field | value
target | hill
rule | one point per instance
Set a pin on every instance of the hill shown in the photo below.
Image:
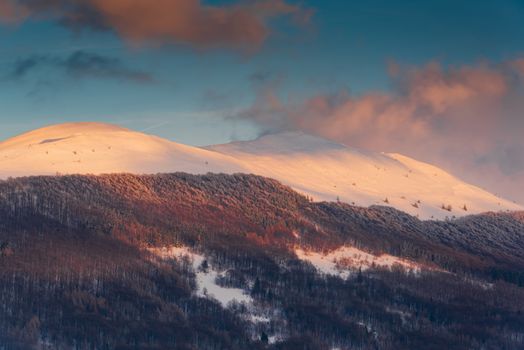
(181, 261)
(318, 168)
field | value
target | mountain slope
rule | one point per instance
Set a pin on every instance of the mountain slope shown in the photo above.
(313, 166)
(95, 148)
(117, 262)
(330, 171)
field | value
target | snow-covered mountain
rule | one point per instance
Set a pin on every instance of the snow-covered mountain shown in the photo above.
(316, 167)
(329, 171)
(95, 148)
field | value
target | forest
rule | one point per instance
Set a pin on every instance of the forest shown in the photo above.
(79, 269)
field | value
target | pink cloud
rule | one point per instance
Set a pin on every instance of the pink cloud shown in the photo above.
(243, 25)
(468, 119)
(10, 12)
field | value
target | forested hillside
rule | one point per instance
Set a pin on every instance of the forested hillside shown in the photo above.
(132, 262)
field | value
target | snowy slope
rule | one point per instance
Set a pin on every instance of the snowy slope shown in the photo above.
(101, 148)
(316, 167)
(330, 171)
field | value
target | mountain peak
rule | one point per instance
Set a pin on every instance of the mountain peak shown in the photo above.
(75, 127)
(60, 132)
(82, 127)
(97, 148)
(289, 142)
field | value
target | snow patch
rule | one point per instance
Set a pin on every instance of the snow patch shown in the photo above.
(262, 317)
(346, 260)
(205, 278)
(277, 338)
(402, 314)
(482, 284)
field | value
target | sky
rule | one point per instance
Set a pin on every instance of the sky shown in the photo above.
(440, 81)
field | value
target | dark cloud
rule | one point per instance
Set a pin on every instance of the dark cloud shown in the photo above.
(83, 64)
(467, 119)
(80, 64)
(261, 77)
(25, 65)
(243, 25)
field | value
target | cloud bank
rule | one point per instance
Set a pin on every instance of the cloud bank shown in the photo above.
(243, 25)
(79, 64)
(468, 119)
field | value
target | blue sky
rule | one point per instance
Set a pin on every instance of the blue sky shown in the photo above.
(205, 88)
(347, 45)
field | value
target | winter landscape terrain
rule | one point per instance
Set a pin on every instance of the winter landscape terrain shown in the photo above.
(316, 167)
(261, 175)
(113, 239)
(180, 261)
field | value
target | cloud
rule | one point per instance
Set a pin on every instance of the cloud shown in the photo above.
(80, 64)
(11, 12)
(243, 25)
(83, 64)
(468, 119)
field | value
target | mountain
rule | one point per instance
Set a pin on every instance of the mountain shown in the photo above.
(330, 171)
(319, 168)
(181, 261)
(95, 148)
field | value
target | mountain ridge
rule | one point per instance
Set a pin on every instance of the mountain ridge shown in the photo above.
(318, 168)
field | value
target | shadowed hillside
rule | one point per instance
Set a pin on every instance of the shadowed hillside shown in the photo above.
(83, 267)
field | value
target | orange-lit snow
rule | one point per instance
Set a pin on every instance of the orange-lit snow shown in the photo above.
(329, 171)
(95, 148)
(313, 166)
